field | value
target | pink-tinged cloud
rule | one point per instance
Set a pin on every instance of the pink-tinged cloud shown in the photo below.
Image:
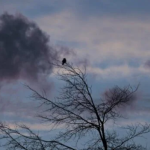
(15, 100)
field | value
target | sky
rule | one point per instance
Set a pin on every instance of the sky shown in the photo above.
(110, 37)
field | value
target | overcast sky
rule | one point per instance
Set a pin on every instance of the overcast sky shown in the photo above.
(111, 36)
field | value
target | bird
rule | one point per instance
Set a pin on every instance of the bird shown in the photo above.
(64, 61)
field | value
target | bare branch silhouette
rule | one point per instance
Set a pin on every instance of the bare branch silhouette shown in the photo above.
(76, 109)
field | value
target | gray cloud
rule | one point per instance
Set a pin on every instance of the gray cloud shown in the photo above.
(147, 64)
(24, 49)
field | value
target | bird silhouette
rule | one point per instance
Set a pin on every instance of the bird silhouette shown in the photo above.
(64, 61)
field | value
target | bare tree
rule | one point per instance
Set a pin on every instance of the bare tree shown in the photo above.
(81, 116)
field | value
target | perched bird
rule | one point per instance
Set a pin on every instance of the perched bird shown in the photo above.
(64, 61)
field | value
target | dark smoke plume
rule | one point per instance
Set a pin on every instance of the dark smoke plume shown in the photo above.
(24, 49)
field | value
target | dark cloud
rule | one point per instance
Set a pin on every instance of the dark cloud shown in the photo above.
(147, 64)
(24, 49)
(126, 95)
